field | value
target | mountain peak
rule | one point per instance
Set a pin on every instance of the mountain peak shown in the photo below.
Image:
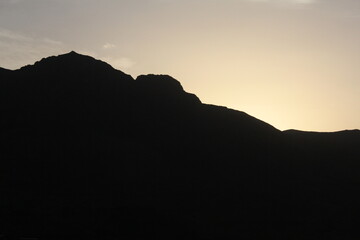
(73, 52)
(70, 57)
(164, 86)
(75, 64)
(165, 82)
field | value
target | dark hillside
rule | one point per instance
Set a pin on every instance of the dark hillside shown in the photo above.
(87, 152)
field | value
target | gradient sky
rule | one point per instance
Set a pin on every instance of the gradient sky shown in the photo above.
(292, 63)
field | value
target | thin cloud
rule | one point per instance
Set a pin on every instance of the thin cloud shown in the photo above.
(10, 35)
(51, 41)
(17, 49)
(109, 46)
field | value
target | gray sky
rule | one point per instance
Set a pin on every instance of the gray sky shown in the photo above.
(291, 63)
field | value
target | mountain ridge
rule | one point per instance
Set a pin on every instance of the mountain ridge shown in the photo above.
(88, 152)
(74, 56)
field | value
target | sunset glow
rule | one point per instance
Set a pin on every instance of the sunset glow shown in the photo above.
(291, 63)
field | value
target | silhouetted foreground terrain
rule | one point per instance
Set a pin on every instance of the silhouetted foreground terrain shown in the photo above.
(87, 152)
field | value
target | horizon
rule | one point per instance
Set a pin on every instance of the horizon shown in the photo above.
(290, 63)
(135, 78)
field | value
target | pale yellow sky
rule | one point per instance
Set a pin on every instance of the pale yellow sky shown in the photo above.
(291, 63)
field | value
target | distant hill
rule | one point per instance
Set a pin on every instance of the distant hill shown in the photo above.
(88, 152)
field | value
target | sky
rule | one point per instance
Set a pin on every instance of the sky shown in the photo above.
(292, 63)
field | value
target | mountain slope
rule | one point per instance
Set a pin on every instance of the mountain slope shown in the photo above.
(87, 152)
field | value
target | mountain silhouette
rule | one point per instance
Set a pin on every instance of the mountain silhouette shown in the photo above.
(88, 152)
